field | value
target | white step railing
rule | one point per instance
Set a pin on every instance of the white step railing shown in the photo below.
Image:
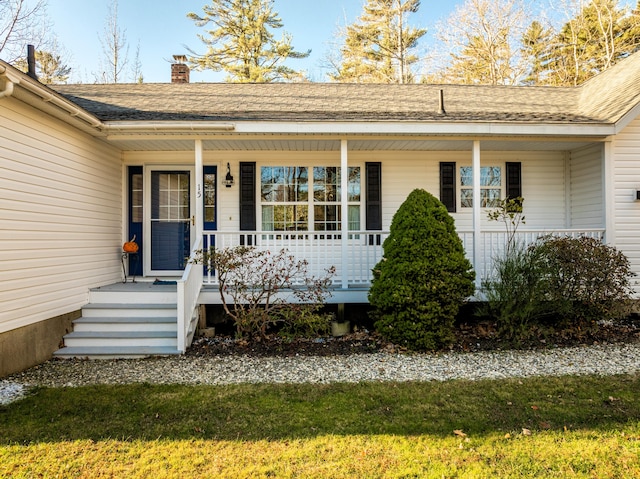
(188, 291)
(324, 249)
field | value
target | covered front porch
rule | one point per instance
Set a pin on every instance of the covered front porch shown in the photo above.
(563, 181)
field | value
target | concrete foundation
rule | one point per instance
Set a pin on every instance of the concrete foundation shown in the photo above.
(31, 345)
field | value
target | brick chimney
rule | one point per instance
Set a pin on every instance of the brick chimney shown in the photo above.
(179, 69)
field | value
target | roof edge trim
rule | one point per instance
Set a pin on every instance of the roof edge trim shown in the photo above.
(46, 94)
(163, 126)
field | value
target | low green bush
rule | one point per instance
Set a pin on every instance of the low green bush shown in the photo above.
(423, 278)
(585, 281)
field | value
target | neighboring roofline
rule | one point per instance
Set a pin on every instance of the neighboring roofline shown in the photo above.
(12, 78)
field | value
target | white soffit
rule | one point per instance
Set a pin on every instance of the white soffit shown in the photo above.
(358, 144)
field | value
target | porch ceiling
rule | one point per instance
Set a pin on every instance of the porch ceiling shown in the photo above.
(315, 143)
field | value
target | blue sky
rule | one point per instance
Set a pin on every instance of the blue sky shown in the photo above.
(163, 30)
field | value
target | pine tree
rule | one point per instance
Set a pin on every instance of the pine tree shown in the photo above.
(379, 46)
(50, 67)
(423, 277)
(242, 43)
(536, 46)
(599, 35)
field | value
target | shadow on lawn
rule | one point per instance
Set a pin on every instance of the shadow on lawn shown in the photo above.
(254, 412)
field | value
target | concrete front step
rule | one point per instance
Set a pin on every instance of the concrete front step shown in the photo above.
(123, 323)
(131, 310)
(121, 338)
(110, 352)
(123, 330)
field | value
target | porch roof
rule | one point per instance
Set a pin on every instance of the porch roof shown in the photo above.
(602, 100)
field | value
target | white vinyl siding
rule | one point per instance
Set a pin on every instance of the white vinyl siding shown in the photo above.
(586, 191)
(543, 178)
(626, 157)
(543, 175)
(61, 215)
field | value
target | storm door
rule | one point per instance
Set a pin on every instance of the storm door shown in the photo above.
(170, 222)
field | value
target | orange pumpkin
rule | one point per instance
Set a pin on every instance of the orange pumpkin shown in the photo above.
(130, 246)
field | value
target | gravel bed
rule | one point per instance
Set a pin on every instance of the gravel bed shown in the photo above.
(605, 359)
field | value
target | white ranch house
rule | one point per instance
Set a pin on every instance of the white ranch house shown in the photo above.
(317, 168)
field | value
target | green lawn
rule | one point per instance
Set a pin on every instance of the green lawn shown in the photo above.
(544, 427)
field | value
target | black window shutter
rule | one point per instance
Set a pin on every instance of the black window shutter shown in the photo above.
(514, 179)
(247, 196)
(448, 185)
(373, 191)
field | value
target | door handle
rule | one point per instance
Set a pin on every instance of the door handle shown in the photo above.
(193, 221)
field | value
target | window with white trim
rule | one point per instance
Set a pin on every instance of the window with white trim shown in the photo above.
(490, 186)
(286, 204)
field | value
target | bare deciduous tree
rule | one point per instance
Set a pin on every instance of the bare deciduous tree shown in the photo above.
(136, 67)
(115, 48)
(21, 24)
(480, 43)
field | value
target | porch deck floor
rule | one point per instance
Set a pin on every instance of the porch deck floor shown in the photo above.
(138, 286)
(210, 294)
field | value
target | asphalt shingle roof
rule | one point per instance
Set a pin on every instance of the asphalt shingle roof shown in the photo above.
(603, 99)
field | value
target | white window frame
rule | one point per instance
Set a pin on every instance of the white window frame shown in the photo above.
(310, 202)
(460, 187)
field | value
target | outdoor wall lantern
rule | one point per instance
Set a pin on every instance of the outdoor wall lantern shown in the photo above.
(228, 180)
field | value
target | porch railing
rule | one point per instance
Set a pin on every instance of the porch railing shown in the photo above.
(364, 249)
(493, 244)
(188, 291)
(321, 250)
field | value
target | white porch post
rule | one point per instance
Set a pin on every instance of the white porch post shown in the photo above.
(608, 194)
(199, 190)
(344, 211)
(477, 233)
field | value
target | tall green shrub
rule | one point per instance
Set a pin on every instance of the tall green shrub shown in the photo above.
(423, 278)
(514, 295)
